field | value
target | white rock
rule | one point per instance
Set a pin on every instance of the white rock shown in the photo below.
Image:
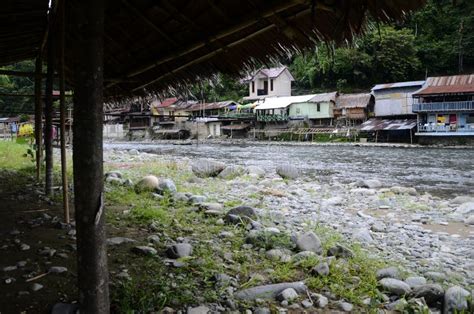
(147, 183)
(288, 294)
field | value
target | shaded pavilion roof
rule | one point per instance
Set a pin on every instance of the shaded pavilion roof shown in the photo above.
(151, 44)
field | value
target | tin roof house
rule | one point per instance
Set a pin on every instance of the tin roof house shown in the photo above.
(445, 107)
(394, 100)
(394, 119)
(269, 83)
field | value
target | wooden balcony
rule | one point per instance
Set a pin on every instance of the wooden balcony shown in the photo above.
(444, 106)
(446, 129)
(272, 118)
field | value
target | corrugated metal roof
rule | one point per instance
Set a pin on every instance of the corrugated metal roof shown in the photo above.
(398, 85)
(353, 100)
(167, 102)
(387, 125)
(212, 105)
(447, 85)
(285, 101)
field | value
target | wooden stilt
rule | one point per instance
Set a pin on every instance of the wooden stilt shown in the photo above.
(88, 48)
(62, 111)
(48, 114)
(38, 117)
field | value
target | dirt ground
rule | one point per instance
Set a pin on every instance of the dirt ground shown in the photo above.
(27, 221)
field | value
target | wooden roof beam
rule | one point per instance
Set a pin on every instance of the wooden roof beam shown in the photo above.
(19, 73)
(231, 31)
(149, 23)
(287, 29)
(215, 52)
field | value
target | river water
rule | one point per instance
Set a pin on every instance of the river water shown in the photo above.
(443, 172)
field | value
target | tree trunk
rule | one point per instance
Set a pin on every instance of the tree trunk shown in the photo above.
(48, 117)
(88, 27)
(38, 117)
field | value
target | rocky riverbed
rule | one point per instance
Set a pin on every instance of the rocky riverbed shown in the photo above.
(393, 212)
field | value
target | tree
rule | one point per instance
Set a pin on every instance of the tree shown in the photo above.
(445, 36)
(394, 54)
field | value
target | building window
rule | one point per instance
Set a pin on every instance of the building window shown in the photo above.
(470, 118)
(318, 107)
(271, 84)
(253, 86)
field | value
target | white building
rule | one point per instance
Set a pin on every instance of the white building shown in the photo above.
(269, 83)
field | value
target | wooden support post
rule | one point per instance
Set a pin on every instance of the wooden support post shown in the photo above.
(48, 115)
(38, 117)
(62, 110)
(411, 137)
(88, 47)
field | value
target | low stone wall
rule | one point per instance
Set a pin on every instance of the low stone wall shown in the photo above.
(446, 140)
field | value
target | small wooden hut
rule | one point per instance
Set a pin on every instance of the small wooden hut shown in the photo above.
(354, 109)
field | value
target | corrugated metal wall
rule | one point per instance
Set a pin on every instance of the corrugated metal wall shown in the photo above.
(394, 102)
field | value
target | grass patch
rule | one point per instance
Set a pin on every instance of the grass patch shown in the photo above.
(12, 157)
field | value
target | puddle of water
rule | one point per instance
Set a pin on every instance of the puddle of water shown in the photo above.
(452, 228)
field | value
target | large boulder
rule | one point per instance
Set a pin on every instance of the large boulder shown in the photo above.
(240, 213)
(232, 171)
(432, 293)
(269, 291)
(179, 250)
(289, 294)
(389, 272)
(415, 281)
(370, 184)
(207, 168)
(455, 300)
(309, 241)
(147, 184)
(166, 186)
(394, 286)
(255, 171)
(363, 236)
(288, 171)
